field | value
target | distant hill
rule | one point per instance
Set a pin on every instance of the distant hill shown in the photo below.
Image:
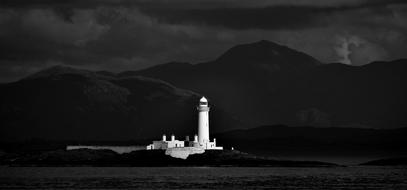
(398, 161)
(265, 83)
(62, 103)
(315, 141)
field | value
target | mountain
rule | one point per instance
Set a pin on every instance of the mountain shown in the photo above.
(266, 53)
(161, 71)
(62, 103)
(250, 85)
(264, 83)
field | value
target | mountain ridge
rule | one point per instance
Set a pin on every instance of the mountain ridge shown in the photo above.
(65, 103)
(312, 94)
(322, 95)
(264, 52)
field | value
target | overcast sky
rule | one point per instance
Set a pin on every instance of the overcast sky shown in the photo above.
(117, 35)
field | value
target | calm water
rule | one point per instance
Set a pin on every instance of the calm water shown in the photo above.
(202, 178)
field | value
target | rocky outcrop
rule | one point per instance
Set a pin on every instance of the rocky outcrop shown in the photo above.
(183, 152)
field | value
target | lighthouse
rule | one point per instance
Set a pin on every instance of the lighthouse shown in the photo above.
(203, 122)
(201, 141)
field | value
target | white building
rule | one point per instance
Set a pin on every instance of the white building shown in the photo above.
(201, 141)
(164, 144)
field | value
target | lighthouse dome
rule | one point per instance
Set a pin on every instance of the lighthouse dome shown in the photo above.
(203, 99)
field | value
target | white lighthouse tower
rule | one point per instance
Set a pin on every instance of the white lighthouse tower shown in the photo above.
(203, 122)
(203, 126)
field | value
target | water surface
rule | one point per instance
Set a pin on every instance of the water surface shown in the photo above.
(357, 177)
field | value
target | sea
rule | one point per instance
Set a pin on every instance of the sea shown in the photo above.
(351, 177)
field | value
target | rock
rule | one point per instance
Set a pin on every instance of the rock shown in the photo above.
(183, 152)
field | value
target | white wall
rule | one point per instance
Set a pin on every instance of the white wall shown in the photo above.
(118, 149)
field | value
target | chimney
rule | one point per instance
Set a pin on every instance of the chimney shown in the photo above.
(214, 141)
(172, 137)
(186, 138)
(164, 137)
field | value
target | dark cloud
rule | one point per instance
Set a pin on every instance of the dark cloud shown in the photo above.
(238, 14)
(36, 34)
(127, 35)
(243, 18)
(273, 17)
(188, 4)
(104, 38)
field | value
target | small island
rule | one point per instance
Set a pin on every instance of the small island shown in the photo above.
(150, 158)
(200, 151)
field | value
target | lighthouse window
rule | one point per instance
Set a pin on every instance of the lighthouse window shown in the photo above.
(203, 103)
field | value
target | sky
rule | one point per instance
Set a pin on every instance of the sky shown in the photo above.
(119, 35)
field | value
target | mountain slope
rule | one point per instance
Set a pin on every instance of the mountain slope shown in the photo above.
(63, 103)
(267, 53)
(266, 83)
